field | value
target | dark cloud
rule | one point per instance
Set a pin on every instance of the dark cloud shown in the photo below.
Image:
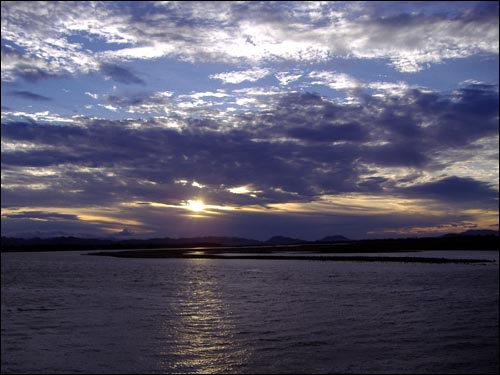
(302, 148)
(455, 189)
(150, 101)
(33, 74)
(39, 158)
(330, 133)
(41, 215)
(29, 95)
(120, 74)
(474, 116)
(372, 184)
(41, 134)
(396, 16)
(124, 101)
(25, 67)
(397, 154)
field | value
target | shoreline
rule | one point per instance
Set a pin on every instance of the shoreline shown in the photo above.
(464, 242)
(268, 255)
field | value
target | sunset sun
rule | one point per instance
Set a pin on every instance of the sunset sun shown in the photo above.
(196, 205)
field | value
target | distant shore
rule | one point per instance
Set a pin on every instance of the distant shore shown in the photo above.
(162, 254)
(310, 252)
(458, 242)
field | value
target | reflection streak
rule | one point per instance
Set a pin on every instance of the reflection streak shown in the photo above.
(202, 340)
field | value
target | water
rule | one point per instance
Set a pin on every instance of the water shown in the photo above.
(455, 254)
(67, 313)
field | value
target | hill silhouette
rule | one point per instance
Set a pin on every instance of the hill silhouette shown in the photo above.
(474, 232)
(281, 240)
(336, 238)
(470, 240)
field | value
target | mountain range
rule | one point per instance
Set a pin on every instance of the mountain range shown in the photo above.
(77, 243)
(474, 232)
(157, 242)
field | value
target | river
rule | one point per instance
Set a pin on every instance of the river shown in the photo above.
(63, 312)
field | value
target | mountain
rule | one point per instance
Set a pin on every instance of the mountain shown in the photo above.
(335, 238)
(69, 241)
(474, 232)
(75, 243)
(280, 240)
(469, 240)
(480, 232)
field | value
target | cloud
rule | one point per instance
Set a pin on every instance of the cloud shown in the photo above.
(235, 77)
(92, 95)
(336, 81)
(119, 74)
(32, 73)
(409, 36)
(41, 215)
(31, 69)
(298, 150)
(44, 116)
(455, 189)
(389, 88)
(35, 42)
(329, 133)
(287, 148)
(158, 103)
(399, 154)
(414, 39)
(285, 78)
(29, 95)
(29, 224)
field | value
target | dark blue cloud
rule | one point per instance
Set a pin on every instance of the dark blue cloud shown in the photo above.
(301, 149)
(40, 133)
(120, 74)
(31, 73)
(27, 68)
(137, 99)
(396, 15)
(29, 95)
(396, 154)
(455, 189)
(330, 133)
(41, 215)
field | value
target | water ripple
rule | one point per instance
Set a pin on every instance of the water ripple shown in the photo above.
(100, 315)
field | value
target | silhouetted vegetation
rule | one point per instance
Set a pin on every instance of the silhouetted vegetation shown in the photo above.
(455, 242)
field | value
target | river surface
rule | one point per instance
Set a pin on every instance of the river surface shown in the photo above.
(63, 312)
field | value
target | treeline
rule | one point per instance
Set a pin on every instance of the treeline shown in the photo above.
(455, 242)
(459, 242)
(11, 244)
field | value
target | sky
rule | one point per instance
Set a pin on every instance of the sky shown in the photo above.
(249, 119)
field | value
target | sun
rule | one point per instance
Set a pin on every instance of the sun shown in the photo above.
(196, 205)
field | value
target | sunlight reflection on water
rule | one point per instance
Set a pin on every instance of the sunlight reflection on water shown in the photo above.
(203, 337)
